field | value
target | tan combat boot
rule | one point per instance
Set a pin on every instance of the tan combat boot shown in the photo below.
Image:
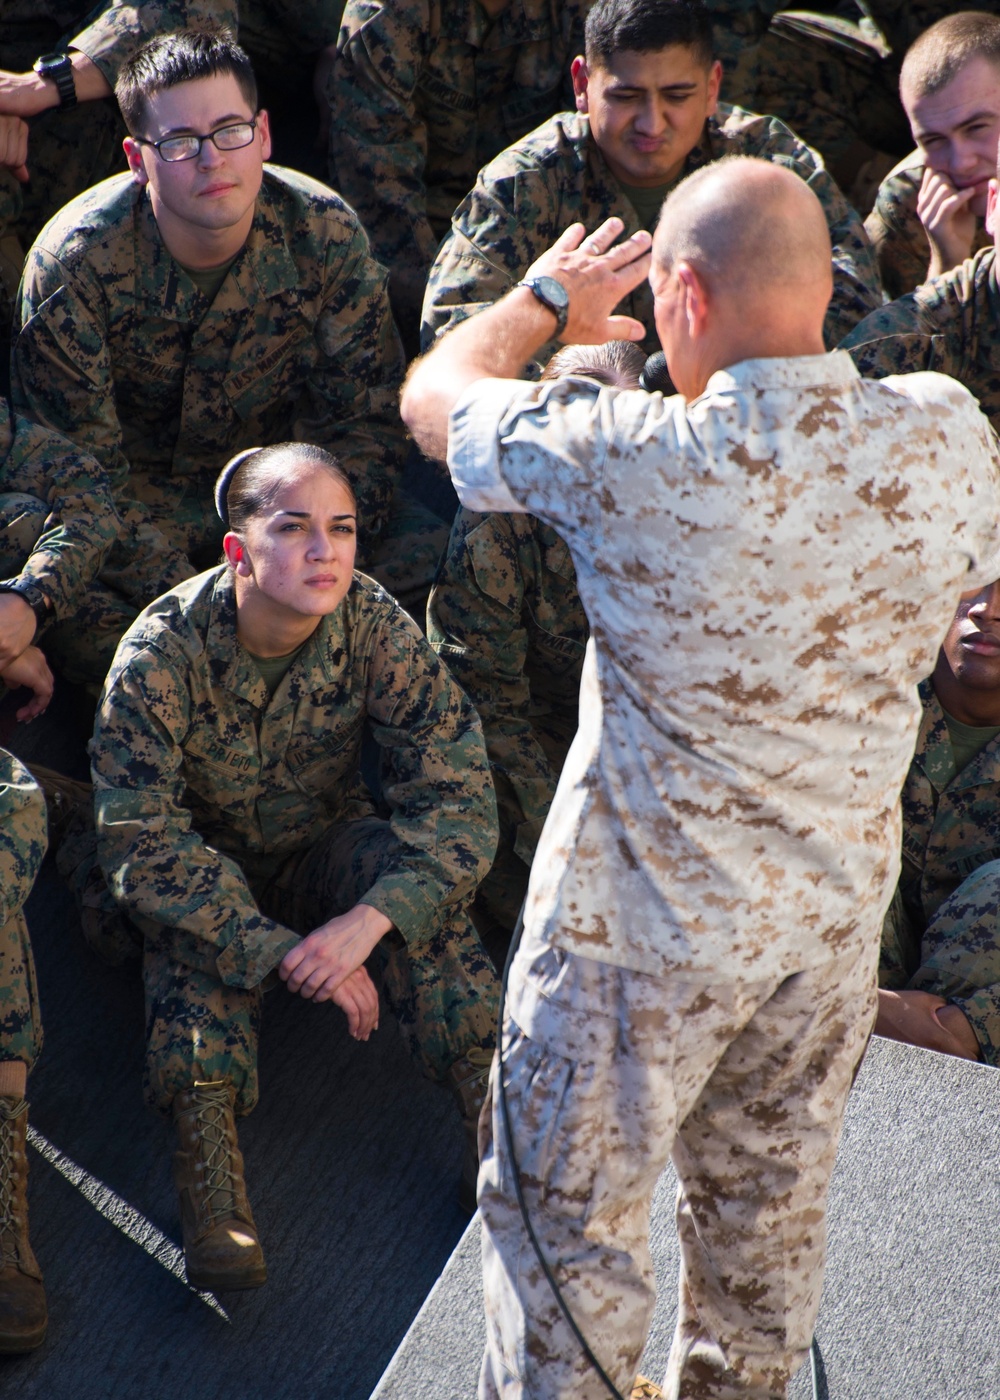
(221, 1248)
(645, 1390)
(23, 1315)
(468, 1080)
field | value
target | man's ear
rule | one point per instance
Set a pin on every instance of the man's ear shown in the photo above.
(714, 84)
(264, 131)
(133, 154)
(580, 76)
(695, 296)
(991, 209)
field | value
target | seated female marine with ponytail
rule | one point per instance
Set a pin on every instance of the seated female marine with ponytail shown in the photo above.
(232, 816)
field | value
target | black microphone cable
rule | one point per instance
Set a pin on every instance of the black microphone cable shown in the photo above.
(815, 1360)
(612, 1389)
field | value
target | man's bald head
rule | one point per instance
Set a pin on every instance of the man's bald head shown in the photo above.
(750, 228)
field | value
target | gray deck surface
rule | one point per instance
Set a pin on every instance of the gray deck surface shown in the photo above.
(352, 1162)
(911, 1302)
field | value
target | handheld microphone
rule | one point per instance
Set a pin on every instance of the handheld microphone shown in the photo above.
(655, 376)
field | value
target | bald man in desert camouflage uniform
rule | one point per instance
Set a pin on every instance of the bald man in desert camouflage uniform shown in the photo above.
(697, 978)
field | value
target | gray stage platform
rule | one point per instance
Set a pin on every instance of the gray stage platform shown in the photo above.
(352, 1164)
(911, 1303)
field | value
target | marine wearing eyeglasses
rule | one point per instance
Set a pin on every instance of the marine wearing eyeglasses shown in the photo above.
(227, 138)
(60, 129)
(202, 304)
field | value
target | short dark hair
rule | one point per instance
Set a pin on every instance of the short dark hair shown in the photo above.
(646, 26)
(616, 363)
(249, 482)
(175, 58)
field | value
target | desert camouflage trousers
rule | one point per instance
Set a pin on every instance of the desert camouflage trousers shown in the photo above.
(135, 572)
(442, 992)
(609, 1073)
(955, 956)
(20, 1022)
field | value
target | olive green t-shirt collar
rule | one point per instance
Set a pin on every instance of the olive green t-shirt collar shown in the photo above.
(274, 669)
(647, 202)
(967, 740)
(208, 280)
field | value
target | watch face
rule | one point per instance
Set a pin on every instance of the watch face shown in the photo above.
(48, 61)
(553, 292)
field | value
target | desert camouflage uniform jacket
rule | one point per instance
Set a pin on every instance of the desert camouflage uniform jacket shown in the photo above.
(526, 197)
(199, 777)
(506, 616)
(950, 324)
(82, 525)
(120, 351)
(730, 800)
(951, 822)
(896, 232)
(423, 94)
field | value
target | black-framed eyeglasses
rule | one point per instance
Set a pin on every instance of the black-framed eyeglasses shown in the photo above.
(227, 138)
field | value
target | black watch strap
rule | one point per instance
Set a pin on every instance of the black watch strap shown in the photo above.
(58, 67)
(32, 595)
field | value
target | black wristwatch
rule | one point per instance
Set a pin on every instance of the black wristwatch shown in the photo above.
(36, 600)
(58, 67)
(551, 294)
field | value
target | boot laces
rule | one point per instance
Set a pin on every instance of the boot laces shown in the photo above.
(216, 1152)
(9, 1222)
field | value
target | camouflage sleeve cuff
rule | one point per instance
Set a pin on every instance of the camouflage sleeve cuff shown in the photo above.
(107, 42)
(982, 1011)
(39, 571)
(117, 30)
(255, 950)
(412, 911)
